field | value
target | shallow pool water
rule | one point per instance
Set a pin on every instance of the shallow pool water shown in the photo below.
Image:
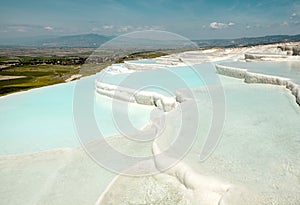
(42, 119)
(166, 80)
(37, 120)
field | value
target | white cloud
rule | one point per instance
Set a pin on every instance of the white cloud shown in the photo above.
(216, 25)
(293, 15)
(48, 28)
(108, 27)
(285, 23)
(125, 28)
(248, 27)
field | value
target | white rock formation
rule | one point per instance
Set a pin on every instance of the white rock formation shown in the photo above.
(263, 56)
(135, 65)
(73, 77)
(142, 97)
(260, 78)
(291, 49)
(172, 59)
(274, 52)
(215, 190)
(118, 69)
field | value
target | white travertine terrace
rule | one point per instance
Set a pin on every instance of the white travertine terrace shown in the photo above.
(73, 77)
(172, 59)
(208, 190)
(250, 77)
(290, 49)
(276, 52)
(139, 66)
(142, 97)
(212, 188)
(215, 191)
(117, 69)
(261, 56)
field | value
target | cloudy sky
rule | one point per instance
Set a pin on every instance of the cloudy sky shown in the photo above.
(195, 19)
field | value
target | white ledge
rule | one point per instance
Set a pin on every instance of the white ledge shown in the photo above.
(250, 77)
(141, 97)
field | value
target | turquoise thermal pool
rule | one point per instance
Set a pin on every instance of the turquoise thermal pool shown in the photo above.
(42, 119)
(170, 79)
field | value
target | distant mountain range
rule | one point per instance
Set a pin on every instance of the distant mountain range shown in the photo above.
(96, 40)
(252, 41)
(87, 40)
(72, 41)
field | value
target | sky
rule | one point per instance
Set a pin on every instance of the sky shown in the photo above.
(194, 19)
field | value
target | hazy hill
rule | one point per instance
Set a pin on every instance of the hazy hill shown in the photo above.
(85, 40)
(251, 41)
(71, 41)
(95, 40)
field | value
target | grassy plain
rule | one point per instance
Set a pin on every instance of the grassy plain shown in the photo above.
(24, 69)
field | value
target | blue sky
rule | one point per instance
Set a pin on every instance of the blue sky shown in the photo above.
(195, 19)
